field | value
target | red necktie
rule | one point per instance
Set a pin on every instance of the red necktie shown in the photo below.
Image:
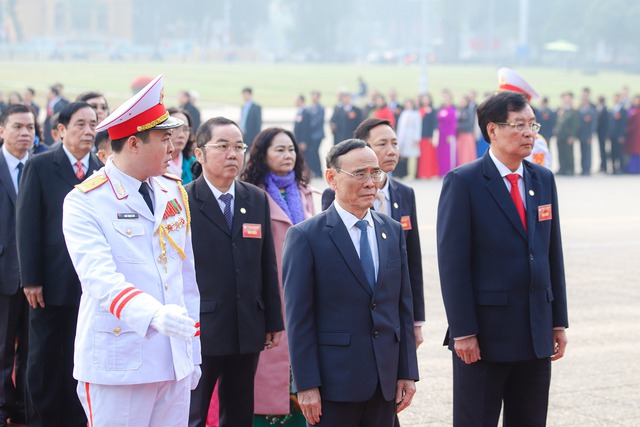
(517, 198)
(80, 171)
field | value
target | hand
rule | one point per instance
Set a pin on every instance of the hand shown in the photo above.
(405, 389)
(34, 296)
(559, 344)
(195, 376)
(467, 349)
(451, 139)
(417, 332)
(570, 140)
(272, 339)
(172, 320)
(310, 405)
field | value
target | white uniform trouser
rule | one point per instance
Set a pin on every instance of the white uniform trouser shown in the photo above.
(158, 404)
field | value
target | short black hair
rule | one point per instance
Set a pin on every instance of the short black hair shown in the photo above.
(102, 137)
(70, 109)
(117, 144)
(496, 108)
(342, 148)
(205, 131)
(364, 129)
(248, 90)
(85, 96)
(13, 109)
(32, 91)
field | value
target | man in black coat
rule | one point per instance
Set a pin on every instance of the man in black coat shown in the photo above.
(240, 307)
(250, 117)
(316, 130)
(17, 130)
(617, 132)
(47, 274)
(399, 203)
(345, 119)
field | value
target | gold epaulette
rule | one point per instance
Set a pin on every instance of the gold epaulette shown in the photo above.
(173, 177)
(91, 183)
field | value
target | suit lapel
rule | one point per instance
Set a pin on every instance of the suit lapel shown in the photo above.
(395, 199)
(241, 208)
(498, 190)
(533, 190)
(5, 178)
(383, 248)
(62, 166)
(209, 205)
(343, 242)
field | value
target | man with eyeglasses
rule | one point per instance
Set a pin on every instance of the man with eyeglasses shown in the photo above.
(502, 273)
(349, 311)
(97, 101)
(240, 309)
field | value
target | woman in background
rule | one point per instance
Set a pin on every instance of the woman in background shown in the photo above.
(182, 139)
(428, 161)
(409, 133)
(276, 166)
(466, 142)
(447, 134)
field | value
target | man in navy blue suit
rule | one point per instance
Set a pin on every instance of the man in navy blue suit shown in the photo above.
(348, 302)
(502, 273)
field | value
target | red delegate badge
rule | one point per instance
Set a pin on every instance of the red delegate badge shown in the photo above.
(544, 213)
(252, 231)
(406, 222)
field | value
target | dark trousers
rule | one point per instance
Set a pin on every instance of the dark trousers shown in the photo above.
(616, 156)
(585, 156)
(14, 323)
(375, 412)
(312, 157)
(235, 375)
(51, 388)
(565, 157)
(481, 388)
(604, 154)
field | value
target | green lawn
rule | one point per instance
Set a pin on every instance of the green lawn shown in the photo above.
(275, 85)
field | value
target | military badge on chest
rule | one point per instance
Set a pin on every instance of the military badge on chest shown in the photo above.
(174, 219)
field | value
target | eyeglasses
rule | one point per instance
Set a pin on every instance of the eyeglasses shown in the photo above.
(222, 148)
(521, 126)
(377, 176)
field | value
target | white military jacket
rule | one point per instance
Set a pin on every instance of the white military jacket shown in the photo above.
(130, 262)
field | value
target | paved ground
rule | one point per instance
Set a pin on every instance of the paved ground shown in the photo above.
(597, 383)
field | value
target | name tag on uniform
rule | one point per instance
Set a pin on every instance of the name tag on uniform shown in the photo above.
(406, 222)
(252, 231)
(127, 215)
(544, 213)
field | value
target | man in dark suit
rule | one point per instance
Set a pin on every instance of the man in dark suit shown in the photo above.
(187, 103)
(251, 117)
(348, 302)
(345, 119)
(566, 131)
(399, 202)
(316, 134)
(47, 274)
(55, 104)
(301, 124)
(240, 308)
(502, 273)
(17, 130)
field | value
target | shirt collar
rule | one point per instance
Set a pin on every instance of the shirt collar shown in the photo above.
(350, 219)
(12, 161)
(129, 182)
(217, 193)
(385, 189)
(73, 160)
(502, 169)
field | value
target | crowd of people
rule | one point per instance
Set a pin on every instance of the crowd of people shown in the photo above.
(160, 270)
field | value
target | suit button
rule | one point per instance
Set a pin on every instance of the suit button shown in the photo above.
(530, 257)
(374, 306)
(233, 245)
(166, 286)
(376, 334)
(128, 232)
(117, 330)
(238, 297)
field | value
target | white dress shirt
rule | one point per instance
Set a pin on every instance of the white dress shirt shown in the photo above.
(349, 220)
(12, 165)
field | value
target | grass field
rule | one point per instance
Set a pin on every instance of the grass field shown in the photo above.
(275, 85)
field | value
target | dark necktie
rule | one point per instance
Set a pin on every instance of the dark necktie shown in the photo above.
(366, 258)
(226, 199)
(20, 166)
(517, 198)
(146, 195)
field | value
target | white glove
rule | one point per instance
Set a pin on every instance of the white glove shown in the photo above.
(195, 376)
(173, 321)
